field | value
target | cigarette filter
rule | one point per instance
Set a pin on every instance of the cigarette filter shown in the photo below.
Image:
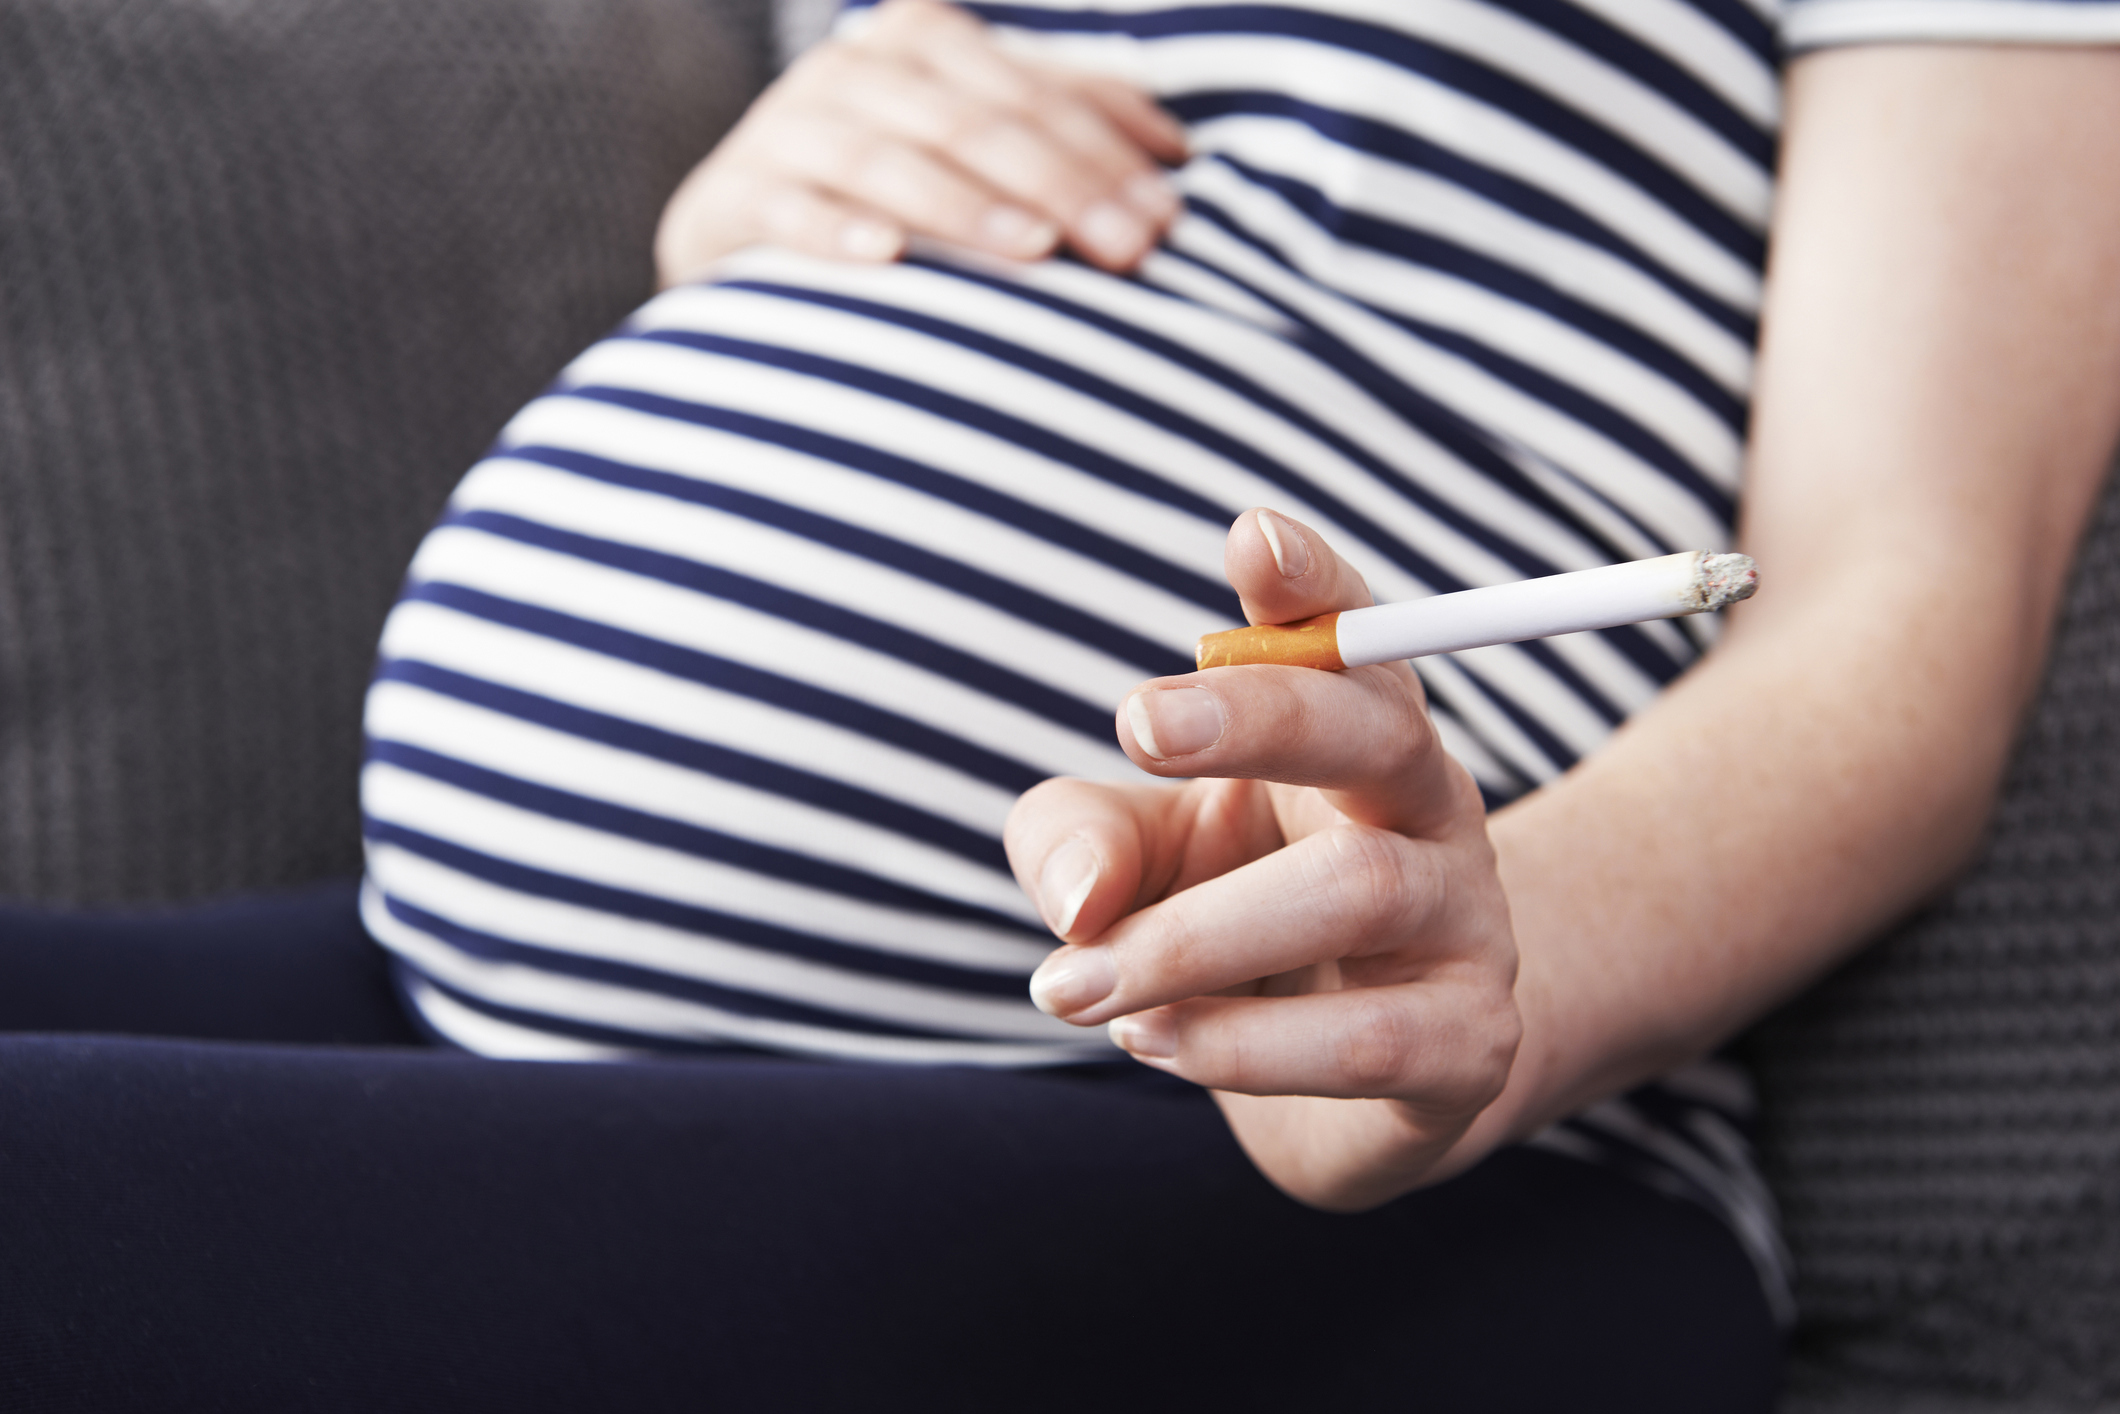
(1668, 587)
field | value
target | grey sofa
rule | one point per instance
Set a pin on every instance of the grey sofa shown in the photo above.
(1943, 1117)
(272, 272)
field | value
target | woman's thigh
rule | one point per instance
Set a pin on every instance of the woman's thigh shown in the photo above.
(293, 965)
(193, 1226)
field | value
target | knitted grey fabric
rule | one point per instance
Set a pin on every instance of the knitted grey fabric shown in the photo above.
(1944, 1115)
(272, 273)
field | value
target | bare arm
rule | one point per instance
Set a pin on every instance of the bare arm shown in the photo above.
(1939, 391)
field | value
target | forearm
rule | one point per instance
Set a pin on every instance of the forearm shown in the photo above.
(1939, 391)
(1779, 808)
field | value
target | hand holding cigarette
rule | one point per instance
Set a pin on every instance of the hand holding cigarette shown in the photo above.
(1313, 911)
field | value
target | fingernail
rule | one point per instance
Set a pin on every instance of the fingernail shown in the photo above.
(1113, 232)
(1152, 1035)
(1016, 229)
(1152, 197)
(1175, 721)
(1073, 979)
(1065, 885)
(1290, 555)
(868, 240)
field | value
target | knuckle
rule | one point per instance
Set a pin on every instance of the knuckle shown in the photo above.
(863, 164)
(1485, 1056)
(1477, 1049)
(1023, 157)
(1378, 1047)
(906, 15)
(787, 211)
(979, 62)
(1005, 143)
(1079, 126)
(1281, 715)
(1413, 744)
(1409, 739)
(963, 120)
(939, 17)
(1180, 943)
(827, 66)
(1376, 881)
(1168, 956)
(891, 170)
(830, 70)
(1073, 188)
(921, 26)
(1295, 711)
(804, 140)
(1505, 1033)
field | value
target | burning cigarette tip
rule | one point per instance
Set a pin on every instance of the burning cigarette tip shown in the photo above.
(1725, 579)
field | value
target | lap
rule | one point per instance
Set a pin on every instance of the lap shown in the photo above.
(289, 966)
(357, 1229)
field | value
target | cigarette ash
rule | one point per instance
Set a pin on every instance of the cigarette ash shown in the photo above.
(1721, 580)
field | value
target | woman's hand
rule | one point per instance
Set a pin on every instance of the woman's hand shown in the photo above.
(1315, 914)
(920, 125)
(1939, 385)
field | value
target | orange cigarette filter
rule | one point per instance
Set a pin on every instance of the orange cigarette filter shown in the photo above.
(1307, 643)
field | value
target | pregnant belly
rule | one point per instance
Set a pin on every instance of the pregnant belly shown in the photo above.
(705, 703)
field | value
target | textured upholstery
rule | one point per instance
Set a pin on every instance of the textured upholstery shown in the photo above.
(1944, 1115)
(272, 273)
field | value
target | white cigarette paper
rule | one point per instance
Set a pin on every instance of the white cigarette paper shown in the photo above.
(1668, 587)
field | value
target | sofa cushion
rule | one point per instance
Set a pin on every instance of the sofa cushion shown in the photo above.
(275, 272)
(1943, 1117)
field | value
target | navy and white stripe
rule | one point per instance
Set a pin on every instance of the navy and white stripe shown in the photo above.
(705, 703)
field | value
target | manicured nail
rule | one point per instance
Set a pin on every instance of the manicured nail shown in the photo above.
(1175, 721)
(1065, 885)
(1073, 979)
(868, 240)
(1112, 231)
(1152, 197)
(1013, 228)
(1290, 555)
(1151, 1035)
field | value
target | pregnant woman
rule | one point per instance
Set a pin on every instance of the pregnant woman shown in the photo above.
(698, 728)
(798, 670)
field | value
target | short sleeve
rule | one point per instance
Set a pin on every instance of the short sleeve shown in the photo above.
(1821, 24)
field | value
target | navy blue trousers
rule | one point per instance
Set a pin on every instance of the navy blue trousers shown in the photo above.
(231, 1178)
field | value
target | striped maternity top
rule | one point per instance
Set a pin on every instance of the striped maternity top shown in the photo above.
(705, 702)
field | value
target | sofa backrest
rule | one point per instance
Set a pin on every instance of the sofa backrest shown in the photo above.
(272, 273)
(1943, 1117)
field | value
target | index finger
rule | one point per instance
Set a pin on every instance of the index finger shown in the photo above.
(1363, 736)
(1283, 570)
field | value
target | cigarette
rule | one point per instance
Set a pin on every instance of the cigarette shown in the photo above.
(1667, 587)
